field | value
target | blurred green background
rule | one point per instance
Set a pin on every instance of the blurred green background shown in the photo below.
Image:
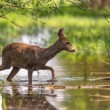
(88, 31)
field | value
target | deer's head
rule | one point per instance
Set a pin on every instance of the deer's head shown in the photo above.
(64, 44)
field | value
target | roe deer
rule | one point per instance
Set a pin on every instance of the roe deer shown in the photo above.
(32, 57)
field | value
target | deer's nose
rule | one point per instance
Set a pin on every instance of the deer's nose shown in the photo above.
(73, 50)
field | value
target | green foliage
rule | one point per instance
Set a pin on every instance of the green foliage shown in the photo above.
(30, 8)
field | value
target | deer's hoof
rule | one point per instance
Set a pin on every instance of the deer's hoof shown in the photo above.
(9, 80)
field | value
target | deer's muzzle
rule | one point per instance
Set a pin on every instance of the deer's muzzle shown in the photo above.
(72, 50)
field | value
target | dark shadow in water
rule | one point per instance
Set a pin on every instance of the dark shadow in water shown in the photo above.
(30, 101)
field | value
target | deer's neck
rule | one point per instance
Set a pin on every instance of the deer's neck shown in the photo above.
(50, 52)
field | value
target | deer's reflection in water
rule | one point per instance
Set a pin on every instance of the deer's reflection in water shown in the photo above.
(28, 101)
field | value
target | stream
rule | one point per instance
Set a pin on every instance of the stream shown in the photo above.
(80, 85)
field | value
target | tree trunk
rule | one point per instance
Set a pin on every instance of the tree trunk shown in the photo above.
(100, 3)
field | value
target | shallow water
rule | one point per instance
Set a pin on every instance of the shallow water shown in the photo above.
(76, 88)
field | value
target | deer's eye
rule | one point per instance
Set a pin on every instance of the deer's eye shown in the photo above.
(67, 43)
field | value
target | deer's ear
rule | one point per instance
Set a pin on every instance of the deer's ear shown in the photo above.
(61, 33)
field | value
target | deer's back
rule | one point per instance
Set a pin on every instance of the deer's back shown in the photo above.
(21, 54)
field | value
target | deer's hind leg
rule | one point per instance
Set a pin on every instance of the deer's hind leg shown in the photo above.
(13, 73)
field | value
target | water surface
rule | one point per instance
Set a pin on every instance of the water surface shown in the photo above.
(82, 84)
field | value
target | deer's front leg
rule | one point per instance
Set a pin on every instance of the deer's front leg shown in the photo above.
(52, 71)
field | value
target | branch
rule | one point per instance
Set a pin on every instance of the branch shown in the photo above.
(30, 8)
(32, 18)
(4, 14)
(11, 21)
(105, 15)
(106, 19)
